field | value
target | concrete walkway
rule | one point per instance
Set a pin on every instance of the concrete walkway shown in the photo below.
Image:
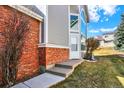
(42, 81)
(52, 77)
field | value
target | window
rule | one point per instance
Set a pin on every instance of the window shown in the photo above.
(106, 36)
(74, 47)
(42, 33)
(83, 47)
(74, 44)
(108, 41)
(74, 22)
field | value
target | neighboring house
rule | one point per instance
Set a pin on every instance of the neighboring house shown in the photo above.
(54, 36)
(106, 40)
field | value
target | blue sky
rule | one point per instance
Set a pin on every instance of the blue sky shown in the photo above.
(103, 19)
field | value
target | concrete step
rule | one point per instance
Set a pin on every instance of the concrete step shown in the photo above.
(64, 72)
(64, 66)
(71, 64)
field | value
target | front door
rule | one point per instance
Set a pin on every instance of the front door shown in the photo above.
(74, 46)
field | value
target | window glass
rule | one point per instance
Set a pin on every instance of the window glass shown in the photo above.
(106, 36)
(42, 33)
(74, 22)
(74, 47)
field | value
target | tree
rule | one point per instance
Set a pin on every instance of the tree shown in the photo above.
(119, 35)
(15, 28)
(91, 45)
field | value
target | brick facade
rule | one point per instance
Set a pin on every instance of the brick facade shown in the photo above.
(0, 76)
(29, 61)
(49, 55)
(31, 54)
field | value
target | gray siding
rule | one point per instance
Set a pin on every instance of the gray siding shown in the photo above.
(74, 9)
(58, 32)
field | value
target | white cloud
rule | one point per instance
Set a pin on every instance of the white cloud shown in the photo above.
(93, 31)
(108, 10)
(102, 30)
(93, 12)
(108, 29)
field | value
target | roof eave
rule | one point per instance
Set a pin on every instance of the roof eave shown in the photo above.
(27, 12)
(86, 13)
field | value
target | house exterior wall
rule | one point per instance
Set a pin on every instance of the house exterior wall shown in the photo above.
(50, 55)
(58, 32)
(83, 39)
(55, 47)
(56, 35)
(108, 37)
(108, 41)
(29, 61)
(101, 43)
(108, 44)
(74, 9)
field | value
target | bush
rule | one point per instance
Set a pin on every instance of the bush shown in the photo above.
(91, 45)
(15, 28)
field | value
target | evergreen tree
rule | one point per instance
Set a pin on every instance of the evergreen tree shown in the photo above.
(119, 35)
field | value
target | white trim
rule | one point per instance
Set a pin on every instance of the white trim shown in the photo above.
(83, 19)
(69, 29)
(82, 11)
(75, 54)
(74, 31)
(52, 45)
(46, 26)
(74, 14)
(40, 32)
(79, 33)
(27, 12)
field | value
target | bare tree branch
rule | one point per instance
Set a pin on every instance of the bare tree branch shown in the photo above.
(91, 45)
(14, 33)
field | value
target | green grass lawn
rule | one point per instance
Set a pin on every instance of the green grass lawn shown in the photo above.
(101, 74)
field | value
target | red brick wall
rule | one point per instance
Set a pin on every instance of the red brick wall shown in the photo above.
(0, 76)
(29, 61)
(53, 55)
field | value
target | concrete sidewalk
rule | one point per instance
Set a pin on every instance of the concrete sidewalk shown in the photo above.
(42, 81)
(52, 76)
